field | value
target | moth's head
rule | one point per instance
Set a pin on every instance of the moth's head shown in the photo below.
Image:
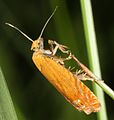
(37, 44)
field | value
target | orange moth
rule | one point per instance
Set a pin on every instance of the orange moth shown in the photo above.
(66, 82)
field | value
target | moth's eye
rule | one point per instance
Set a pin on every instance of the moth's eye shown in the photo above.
(33, 48)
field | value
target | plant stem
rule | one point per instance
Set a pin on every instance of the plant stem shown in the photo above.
(106, 88)
(92, 52)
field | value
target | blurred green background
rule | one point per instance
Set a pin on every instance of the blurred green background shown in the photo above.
(33, 96)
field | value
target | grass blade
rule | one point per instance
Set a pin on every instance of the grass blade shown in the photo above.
(92, 51)
(7, 111)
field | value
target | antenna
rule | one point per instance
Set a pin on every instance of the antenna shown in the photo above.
(42, 28)
(19, 31)
(47, 22)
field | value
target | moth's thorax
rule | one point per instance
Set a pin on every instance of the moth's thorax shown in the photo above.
(38, 46)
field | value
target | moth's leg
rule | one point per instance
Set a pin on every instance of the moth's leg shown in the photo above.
(85, 77)
(88, 75)
(67, 58)
(84, 68)
(50, 42)
(78, 72)
(53, 47)
(70, 68)
(82, 76)
(60, 60)
(62, 48)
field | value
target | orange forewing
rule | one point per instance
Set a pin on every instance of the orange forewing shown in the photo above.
(78, 94)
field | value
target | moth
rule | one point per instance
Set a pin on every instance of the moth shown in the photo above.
(66, 82)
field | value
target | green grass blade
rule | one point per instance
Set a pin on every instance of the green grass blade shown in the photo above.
(7, 111)
(92, 52)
